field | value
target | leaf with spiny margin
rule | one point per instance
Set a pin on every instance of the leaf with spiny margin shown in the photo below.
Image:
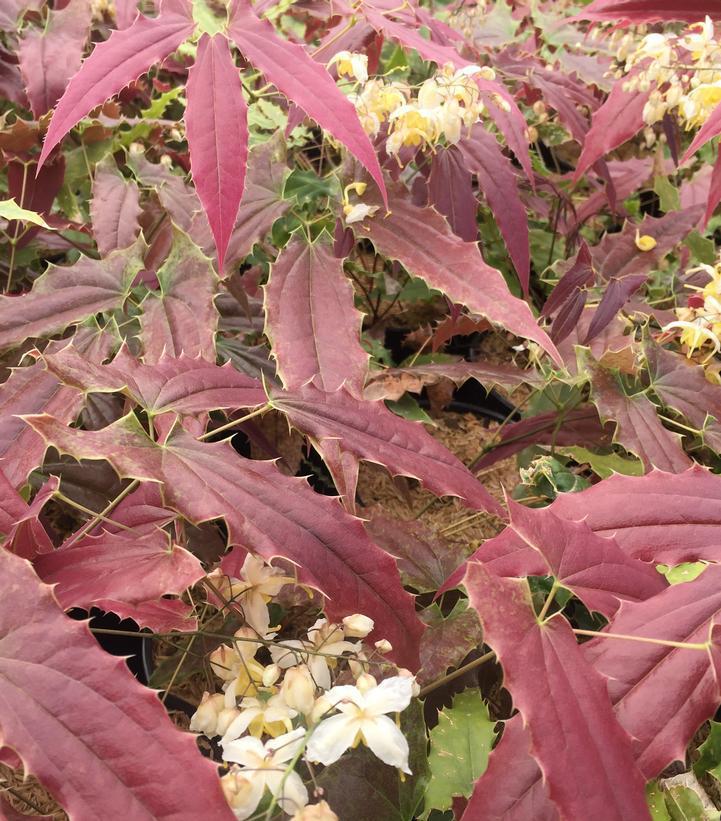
(182, 318)
(371, 432)
(114, 209)
(267, 512)
(216, 123)
(320, 342)
(50, 56)
(74, 714)
(421, 239)
(65, 295)
(448, 640)
(660, 517)
(650, 11)
(182, 385)
(638, 427)
(303, 81)
(564, 703)
(709, 760)
(460, 744)
(115, 63)
(21, 531)
(10, 210)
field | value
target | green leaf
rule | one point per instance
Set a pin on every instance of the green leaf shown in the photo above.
(702, 248)
(667, 194)
(656, 802)
(460, 745)
(10, 210)
(686, 572)
(408, 408)
(710, 753)
(206, 20)
(605, 465)
(684, 804)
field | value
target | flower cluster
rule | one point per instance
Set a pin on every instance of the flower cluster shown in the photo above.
(699, 322)
(438, 110)
(287, 699)
(682, 71)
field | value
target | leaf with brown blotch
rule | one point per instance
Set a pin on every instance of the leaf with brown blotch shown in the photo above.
(65, 702)
(372, 432)
(182, 318)
(114, 209)
(320, 343)
(638, 427)
(267, 512)
(448, 640)
(67, 294)
(563, 701)
(422, 241)
(682, 385)
(661, 517)
(392, 383)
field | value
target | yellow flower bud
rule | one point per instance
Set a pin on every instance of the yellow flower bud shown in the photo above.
(383, 646)
(645, 242)
(271, 674)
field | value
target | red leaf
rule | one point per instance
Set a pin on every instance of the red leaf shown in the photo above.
(49, 57)
(267, 512)
(33, 188)
(371, 432)
(593, 567)
(563, 701)
(24, 535)
(660, 517)
(617, 293)
(117, 62)
(648, 11)
(65, 701)
(661, 718)
(160, 615)
(450, 191)
(294, 73)
(217, 129)
(579, 275)
(320, 343)
(182, 318)
(421, 239)
(619, 119)
(64, 295)
(122, 566)
(638, 427)
(498, 182)
(714, 191)
(114, 210)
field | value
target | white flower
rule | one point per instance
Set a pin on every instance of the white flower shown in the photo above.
(259, 582)
(266, 765)
(363, 717)
(298, 689)
(358, 212)
(323, 638)
(350, 64)
(272, 716)
(357, 626)
(205, 718)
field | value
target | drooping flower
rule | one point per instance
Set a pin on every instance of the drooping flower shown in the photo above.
(645, 242)
(270, 716)
(363, 716)
(350, 64)
(358, 212)
(298, 689)
(265, 766)
(357, 626)
(324, 642)
(258, 584)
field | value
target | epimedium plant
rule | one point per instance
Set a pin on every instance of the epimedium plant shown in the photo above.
(211, 212)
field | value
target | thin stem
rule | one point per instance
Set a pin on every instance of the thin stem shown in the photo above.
(681, 645)
(187, 650)
(89, 512)
(288, 770)
(434, 685)
(235, 422)
(549, 600)
(99, 517)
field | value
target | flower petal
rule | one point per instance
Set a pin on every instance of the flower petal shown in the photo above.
(284, 747)
(248, 751)
(331, 738)
(292, 795)
(392, 695)
(387, 742)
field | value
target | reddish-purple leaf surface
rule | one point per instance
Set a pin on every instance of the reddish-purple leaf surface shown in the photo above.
(372, 432)
(294, 73)
(660, 517)
(638, 427)
(320, 342)
(33, 188)
(67, 294)
(182, 317)
(618, 292)
(216, 122)
(118, 61)
(392, 383)
(12, 9)
(714, 191)
(660, 718)
(114, 209)
(593, 567)
(499, 185)
(20, 529)
(619, 119)
(49, 57)
(564, 703)
(649, 11)
(511, 788)
(447, 641)
(158, 615)
(80, 722)
(267, 512)
(183, 385)
(450, 191)
(122, 566)
(421, 239)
